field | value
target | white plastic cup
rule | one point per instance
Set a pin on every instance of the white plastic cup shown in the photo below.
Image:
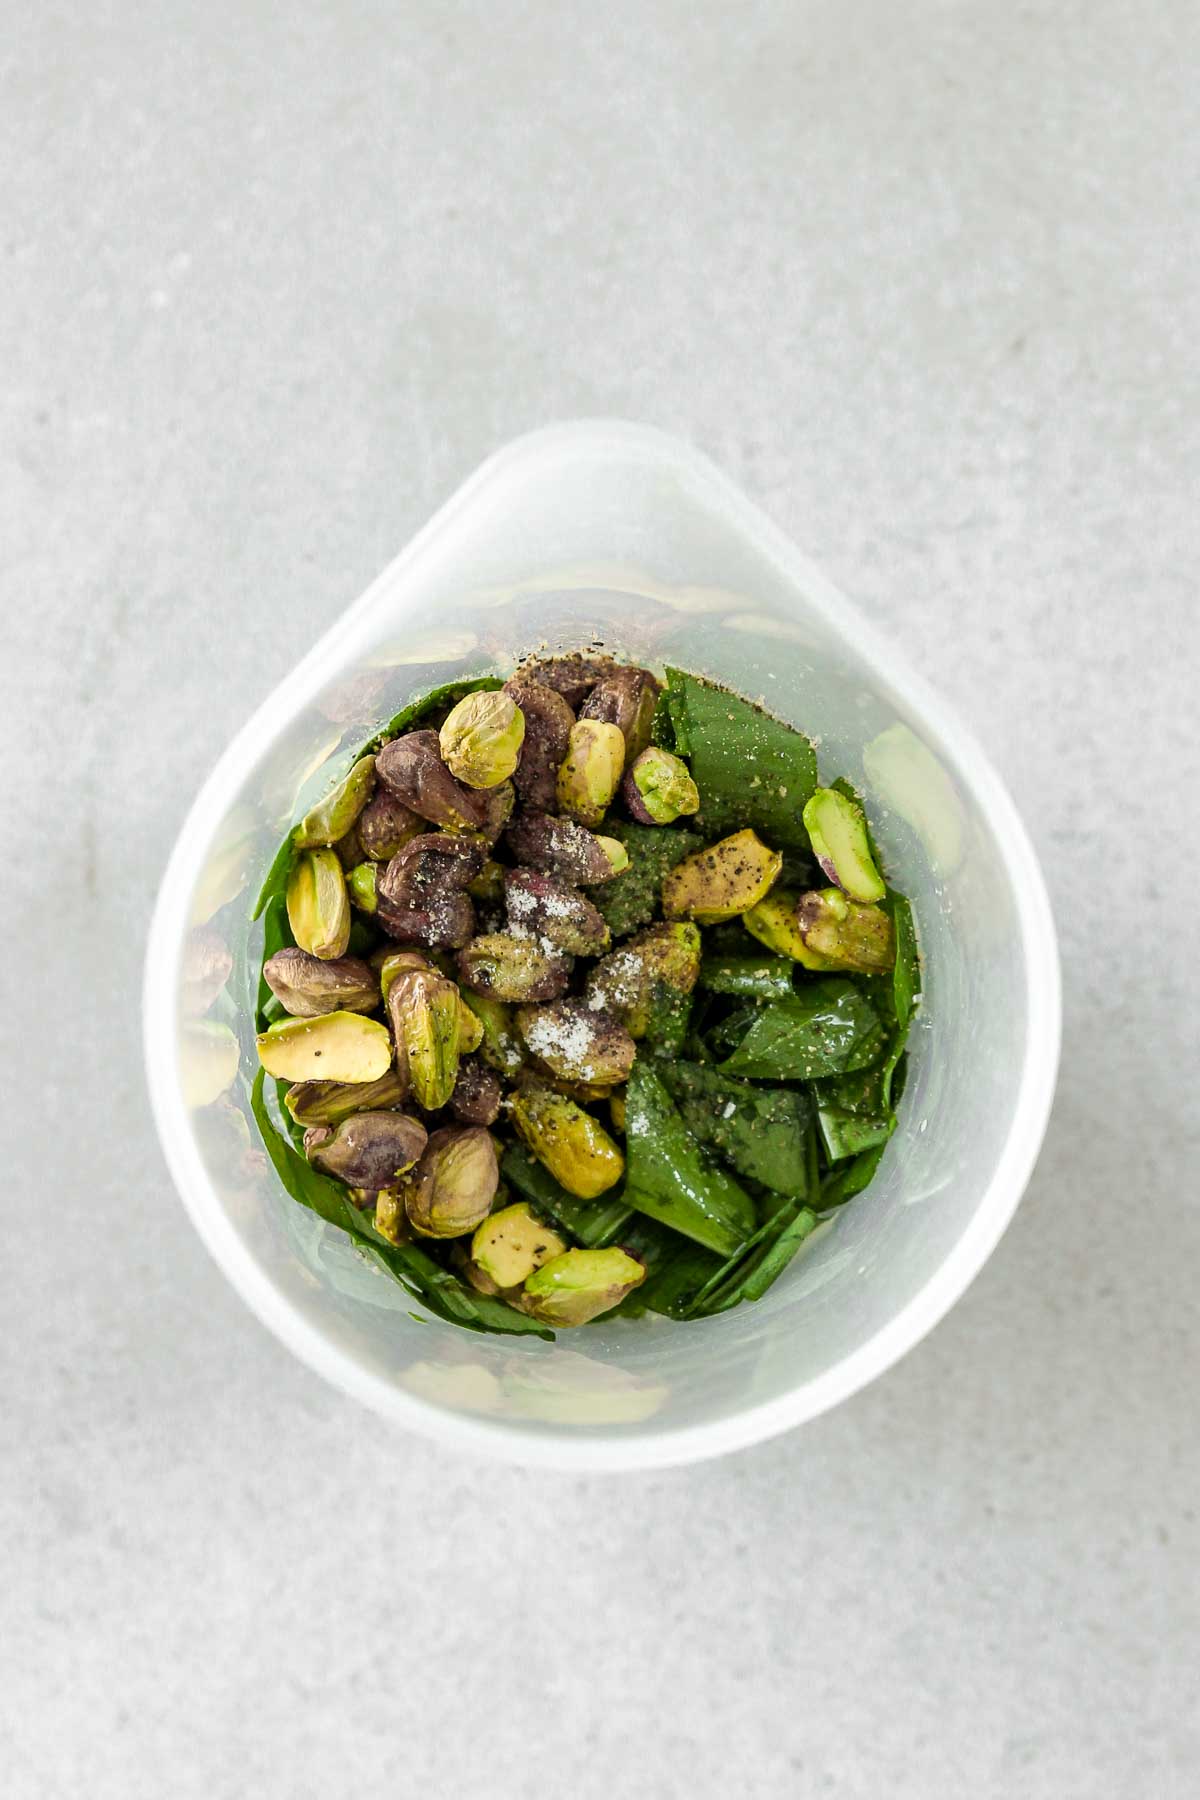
(617, 533)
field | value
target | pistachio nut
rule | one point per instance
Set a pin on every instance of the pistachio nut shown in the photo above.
(503, 967)
(329, 1102)
(369, 1150)
(481, 738)
(659, 789)
(452, 1187)
(579, 1285)
(428, 867)
(558, 916)
(476, 1096)
(591, 771)
(548, 722)
(318, 907)
(564, 848)
(513, 1242)
(391, 1216)
(424, 1009)
(837, 829)
(412, 769)
(773, 922)
(336, 1047)
(722, 881)
(623, 982)
(333, 816)
(447, 924)
(577, 1041)
(573, 675)
(385, 825)
(574, 1147)
(849, 935)
(500, 1048)
(307, 987)
(625, 698)
(362, 885)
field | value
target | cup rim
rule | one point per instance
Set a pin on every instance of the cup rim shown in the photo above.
(611, 1448)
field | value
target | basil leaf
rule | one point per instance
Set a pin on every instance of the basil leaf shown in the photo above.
(275, 883)
(828, 1027)
(753, 977)
(668, 1177)
(845, 1134)
(760, 1132)
(851, 1178)
(729, 1275)
(906, 976)
(277, 934)
(750, 767)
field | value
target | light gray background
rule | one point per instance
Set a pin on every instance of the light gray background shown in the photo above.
(924, 279)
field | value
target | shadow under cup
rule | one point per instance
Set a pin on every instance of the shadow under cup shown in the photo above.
(617, 536)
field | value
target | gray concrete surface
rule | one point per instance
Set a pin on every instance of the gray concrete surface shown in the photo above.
(925, 280)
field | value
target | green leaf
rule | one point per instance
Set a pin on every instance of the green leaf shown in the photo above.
(761, 1132)
(906, 976)
(851, 1178)
(634, 898)
(729, 1274)
(682, 1275)
(277, 875)
(752, 977)
(277, 935)
(668, 1177)
(662, 727)
(591, 1223)
(845, 1134)
(827, 1028)
(437, 1289)
(778, 1256)
(751, 768)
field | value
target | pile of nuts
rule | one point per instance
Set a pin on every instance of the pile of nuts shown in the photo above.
(473, 850)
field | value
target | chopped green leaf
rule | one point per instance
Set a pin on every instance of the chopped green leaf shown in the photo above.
(845, 1134)
(275, 883)
(751, 768)
(906, 976)
(825, 1029)
(760, 1132)
(851, 1178)
(753, 977)
(668, 1015)
(668, 1176)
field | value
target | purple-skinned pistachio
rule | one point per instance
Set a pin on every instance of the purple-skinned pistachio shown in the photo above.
(563, 848)
(548, 722)
(553, 912)
(625, 698)
(411, 768)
